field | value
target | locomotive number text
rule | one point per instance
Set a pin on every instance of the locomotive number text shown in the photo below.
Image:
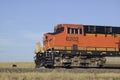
(72, 39)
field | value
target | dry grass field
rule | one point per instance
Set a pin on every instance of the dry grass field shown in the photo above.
(19, 64)
(26, 71)
(59, 76)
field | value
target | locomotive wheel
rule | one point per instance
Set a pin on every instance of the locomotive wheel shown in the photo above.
(49, 66)
(66, 66)
(100, 64)
(84, 65)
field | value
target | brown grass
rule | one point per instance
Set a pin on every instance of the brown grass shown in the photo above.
(59, 76)
(19, 64)
(53, 75)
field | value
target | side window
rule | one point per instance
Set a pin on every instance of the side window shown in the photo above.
(68, 30)
(74, 31)
(80, 31)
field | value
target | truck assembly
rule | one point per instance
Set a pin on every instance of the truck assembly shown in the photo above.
(78, 45)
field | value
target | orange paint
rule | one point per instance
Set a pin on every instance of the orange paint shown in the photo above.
(81, 40)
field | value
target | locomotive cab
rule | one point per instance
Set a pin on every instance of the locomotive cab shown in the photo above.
(49, 39)
(64, 37)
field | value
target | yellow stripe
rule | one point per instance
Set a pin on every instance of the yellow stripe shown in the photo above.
(84, 48)
(90, 34)
(109, 34)
(117, 49)
(111, 49)
(62, 48)
(59, 47)
(95, 34)
(92, 49)
(100, 49)
(117, 35)
(81, 48)
(68, 48)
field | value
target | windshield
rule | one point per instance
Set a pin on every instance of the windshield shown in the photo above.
(58, 30)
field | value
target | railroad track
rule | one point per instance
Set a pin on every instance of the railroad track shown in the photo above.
(73, 70)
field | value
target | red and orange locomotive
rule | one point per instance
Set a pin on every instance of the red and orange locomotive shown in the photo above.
(79, 45)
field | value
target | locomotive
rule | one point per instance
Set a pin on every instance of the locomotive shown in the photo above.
(78, 45)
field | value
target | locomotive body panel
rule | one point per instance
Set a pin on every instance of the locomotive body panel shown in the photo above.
(67, 39)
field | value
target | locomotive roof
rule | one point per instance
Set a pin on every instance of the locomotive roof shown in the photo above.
(101, 29)
(92, 29)
(95, 28)
(75, 25)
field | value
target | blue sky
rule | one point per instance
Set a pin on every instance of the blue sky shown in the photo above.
(23, 22)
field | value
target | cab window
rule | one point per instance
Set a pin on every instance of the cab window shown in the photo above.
(59, 30)
(74, 31)
(80, 31)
